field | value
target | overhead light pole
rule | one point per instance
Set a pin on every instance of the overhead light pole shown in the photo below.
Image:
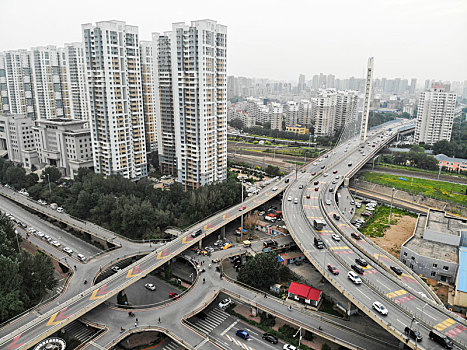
(390, 209)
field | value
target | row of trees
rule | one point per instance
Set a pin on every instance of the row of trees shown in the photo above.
(416, 158)
(25, 278)
(135, 210)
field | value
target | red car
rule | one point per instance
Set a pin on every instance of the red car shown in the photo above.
(316, 188)
(313, 173)
(356, 236)
(174, 295)
(334, 172)
(333, 270)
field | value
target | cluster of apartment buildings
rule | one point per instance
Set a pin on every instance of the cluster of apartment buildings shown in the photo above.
(130, 97)
(326, 113)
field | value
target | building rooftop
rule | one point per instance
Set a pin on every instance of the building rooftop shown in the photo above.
(438, 221)
(435, 250)
(443, 157)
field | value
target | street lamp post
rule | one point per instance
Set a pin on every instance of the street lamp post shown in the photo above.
(299, 332)
(390, 209)
(50, 189)
(241, 217)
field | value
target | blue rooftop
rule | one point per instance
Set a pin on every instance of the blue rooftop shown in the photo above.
(462, 281)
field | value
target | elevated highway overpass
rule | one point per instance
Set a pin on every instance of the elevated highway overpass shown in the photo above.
(402, 296)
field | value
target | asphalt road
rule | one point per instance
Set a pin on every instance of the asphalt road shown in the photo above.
(65, 238)
(398, 296)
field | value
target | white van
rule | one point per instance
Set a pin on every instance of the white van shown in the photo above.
(81, 257)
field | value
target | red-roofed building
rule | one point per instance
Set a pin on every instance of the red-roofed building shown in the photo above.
(305, 294)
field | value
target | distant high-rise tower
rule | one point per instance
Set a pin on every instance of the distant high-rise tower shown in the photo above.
(435, 115)
(115, 94)
(301, 82)
(413, 85)
(192, 99)
(366, 103)
(16, 83)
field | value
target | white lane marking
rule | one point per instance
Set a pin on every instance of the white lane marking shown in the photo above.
(366, 296)
(425, 314)
(249, 330)
(403, 323)
(228, 328)
(202, 343)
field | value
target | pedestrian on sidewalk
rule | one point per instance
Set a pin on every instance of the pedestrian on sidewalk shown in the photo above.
(159, 320)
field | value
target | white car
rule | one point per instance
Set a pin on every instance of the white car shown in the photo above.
(289, 347)
(289, 198)
(115, 269)
(336, 237)
(40, 234)
(224, 303)
(41, 201)
(295, 200)
(274, 188)
(328, 202)
(81, 257)
(24, 192)
(59, 210)
(325, 174)
(150, 286)
(351, 275)
(55, 243)
(315, 163)
(380, 308)
(67, 250)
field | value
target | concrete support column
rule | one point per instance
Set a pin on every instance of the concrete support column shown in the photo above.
(223, 232)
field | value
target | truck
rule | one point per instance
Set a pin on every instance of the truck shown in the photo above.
(318, 224)
(54, 206)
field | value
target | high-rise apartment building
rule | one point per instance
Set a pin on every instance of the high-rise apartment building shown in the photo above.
(165, 121)
(46, 73)
(73, 68)
(191, 82)
(16, 83)
(435, 115)
(115, 95)
(305, 113)
(346, 108)
(413, 85)
(148, 86)
(199, 54)
(291, 109)
(301, 82)
(324, 112)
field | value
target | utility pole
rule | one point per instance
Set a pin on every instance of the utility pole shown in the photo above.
(50, 189)
(390, 210)
(241, 217)
(439, 172)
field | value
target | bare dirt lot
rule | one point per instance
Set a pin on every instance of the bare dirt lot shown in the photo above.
(395, 235)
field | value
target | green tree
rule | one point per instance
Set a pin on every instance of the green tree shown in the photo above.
(325, 346)
(53, 174)
(272, 170)
(236, 123)
(262, 271)
(10, 288)
(16, 177)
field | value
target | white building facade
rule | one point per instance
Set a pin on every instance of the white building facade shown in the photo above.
(435, 115)
(115, 95)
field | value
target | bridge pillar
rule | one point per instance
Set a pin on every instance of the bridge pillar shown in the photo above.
(346, 182)
(254, 311)
(223, 232)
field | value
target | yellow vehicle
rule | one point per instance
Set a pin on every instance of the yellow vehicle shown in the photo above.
(226, 246)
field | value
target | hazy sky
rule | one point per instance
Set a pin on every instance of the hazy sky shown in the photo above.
(276, 39)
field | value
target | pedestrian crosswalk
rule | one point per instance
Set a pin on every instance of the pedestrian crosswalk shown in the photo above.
(213, 319)
(171, 346)
(238, 342)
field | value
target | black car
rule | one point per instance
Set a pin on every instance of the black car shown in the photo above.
(357, 269)
(300, 187)
(196, 234)
(270, 338)
(316, 183)
(441, 339)
(323, 166)
(361, 262)
(413, 334)
(396, 270)
(356, 236)
(287, 180)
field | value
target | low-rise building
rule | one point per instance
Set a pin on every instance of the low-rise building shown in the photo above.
(288, 258)
(64, 143)
(16, 136)
(460, 296)
(451, 163)
(305, 294)
(298, 129)
(432, 251)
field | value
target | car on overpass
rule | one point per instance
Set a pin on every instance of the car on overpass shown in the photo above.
(354, 277)
(150, 286)
(333, 269)
(380, 308)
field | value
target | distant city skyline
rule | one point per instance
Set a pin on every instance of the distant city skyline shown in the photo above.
(276, 40)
